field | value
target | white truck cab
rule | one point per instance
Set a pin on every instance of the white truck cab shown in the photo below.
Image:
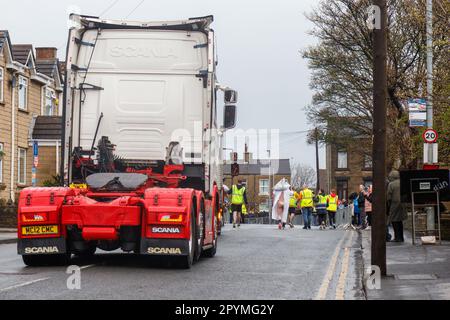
(144, 93)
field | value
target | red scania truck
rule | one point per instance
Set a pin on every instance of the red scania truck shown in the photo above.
(141, 147)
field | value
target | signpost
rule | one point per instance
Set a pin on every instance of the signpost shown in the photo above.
(417, 109)
(35, 163)
(430, 136)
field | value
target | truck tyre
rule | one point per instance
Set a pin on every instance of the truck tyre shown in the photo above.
(88, 253)
(211, 252)
(200, 233)
(46, 260)
(187, 261)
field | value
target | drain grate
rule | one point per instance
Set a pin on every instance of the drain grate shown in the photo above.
(416, 277)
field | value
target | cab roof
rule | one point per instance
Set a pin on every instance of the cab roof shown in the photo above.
(191, 24)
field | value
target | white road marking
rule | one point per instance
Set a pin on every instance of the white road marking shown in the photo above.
(87, 266)
(322, 294)
(23, 284)
(340, 290)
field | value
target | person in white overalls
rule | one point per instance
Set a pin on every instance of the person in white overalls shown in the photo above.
(281, 197)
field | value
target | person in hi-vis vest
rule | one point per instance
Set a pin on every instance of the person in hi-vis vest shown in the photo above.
(306, 198)
(238, 198)
(293, 202)
(332, 203)
(321, 207)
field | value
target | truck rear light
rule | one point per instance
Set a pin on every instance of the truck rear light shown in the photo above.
(34, 217)
(170, 217)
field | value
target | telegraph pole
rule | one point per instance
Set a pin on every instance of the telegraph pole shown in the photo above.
(378, 252)
(429, 15)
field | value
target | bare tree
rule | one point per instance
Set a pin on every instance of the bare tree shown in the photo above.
(302, 175)
(341, 64)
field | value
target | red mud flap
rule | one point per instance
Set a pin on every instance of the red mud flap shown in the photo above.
(41, 246)
(165, 247)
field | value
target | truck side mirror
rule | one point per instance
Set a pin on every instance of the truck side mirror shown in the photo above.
(231, 96)
(229, 117)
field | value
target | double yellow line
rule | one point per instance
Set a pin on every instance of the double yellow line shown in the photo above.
(340, 290)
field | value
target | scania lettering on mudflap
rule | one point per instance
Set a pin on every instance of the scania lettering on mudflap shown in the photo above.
(165, 230)
(40, 250)
(157, 250)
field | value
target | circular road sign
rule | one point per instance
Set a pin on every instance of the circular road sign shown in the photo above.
(430, 136)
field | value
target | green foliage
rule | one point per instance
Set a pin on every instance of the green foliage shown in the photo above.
(54, 182)
(342, 66)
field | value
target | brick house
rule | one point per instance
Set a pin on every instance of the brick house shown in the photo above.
(256, 174)
(30, 87)
(347, 169)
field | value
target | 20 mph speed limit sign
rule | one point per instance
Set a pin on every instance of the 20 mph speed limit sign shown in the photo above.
(430, 136)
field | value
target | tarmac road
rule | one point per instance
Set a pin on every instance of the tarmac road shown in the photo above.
(255, 262)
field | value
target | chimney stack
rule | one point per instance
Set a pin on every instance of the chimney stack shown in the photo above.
(46, 53)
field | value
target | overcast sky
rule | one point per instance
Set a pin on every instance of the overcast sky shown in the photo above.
(258, 47)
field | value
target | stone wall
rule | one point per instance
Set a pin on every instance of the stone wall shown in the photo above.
(8, 216)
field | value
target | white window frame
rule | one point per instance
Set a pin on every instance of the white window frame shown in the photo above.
(263, 186)
(21, 167)
(1, 163)
(341, 159)
(48, 93)
(2, 81)
(23, 89)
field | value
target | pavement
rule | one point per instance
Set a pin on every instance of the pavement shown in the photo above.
(256, 262)
(414, 272)
(8, 235)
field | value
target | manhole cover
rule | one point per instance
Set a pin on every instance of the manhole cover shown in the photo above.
(416, 277)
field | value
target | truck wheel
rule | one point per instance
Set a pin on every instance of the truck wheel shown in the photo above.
(200, 233)
(88, 253)
(46, 260)
(187, 261)
(211, 252)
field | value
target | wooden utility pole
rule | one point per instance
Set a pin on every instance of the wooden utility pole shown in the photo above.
(378, 257)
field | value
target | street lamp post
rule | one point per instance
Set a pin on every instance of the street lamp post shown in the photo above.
(270, 188)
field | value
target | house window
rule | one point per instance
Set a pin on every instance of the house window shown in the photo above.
(342, 189)
(368, 163)
(23, 93)
(342, 159)
(49, 102)
(1, 162)
(22, 166)
(264, 186)
(2, 77)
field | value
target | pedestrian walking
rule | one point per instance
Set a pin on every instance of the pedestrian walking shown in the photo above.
(332, 203)
(368, 206)
(321, 208)
(293, 201)
(281, 199)
(306, 198)
(238, 198)
(396, 210)
(356, 211)
(244, 213)
(362, 206)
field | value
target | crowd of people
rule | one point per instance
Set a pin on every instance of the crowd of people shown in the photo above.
(319, 209)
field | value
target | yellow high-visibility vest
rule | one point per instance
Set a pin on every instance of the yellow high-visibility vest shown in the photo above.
(293, 200)
(332, 203)
(237, 195)
(322, 204)
(307, 198)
